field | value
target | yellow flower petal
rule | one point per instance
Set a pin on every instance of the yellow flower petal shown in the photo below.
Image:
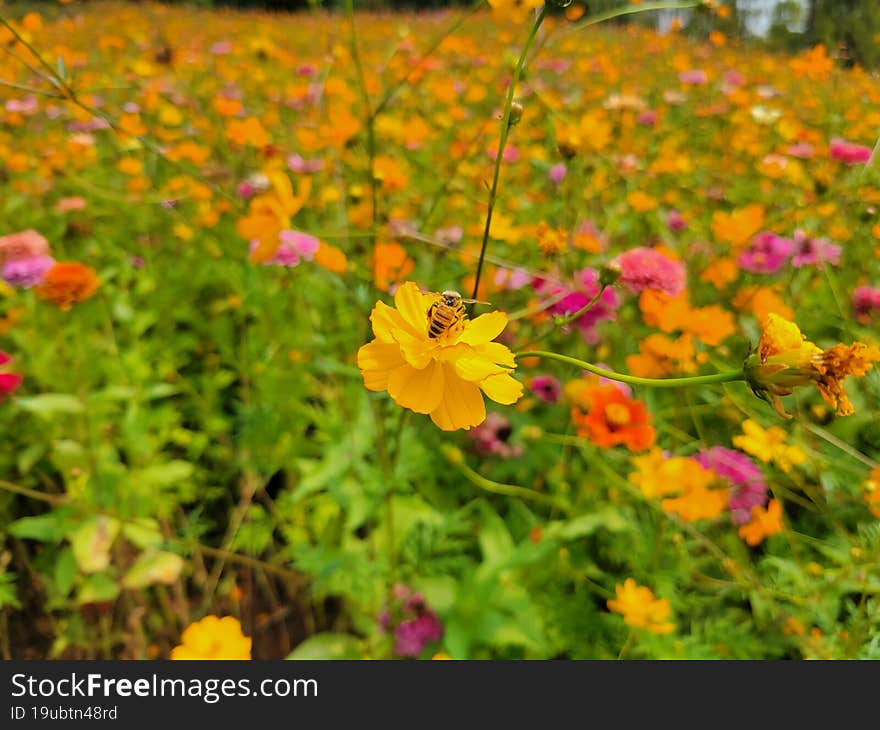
(497, 353)
(502, 388)
(418, 390)
(376, 361)
(476, 368)
(461, 406)
(386, 322)
(410, 303)
(484, 328)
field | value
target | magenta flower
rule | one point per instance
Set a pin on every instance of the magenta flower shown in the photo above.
(413, 623)
(573, 299)
(866, 301)
(748, 488)
(675, 222)
(9, 382)
(546, 387)
(491, 437)
(814, 251)
(767, 253)
(849, 153)
(27, 273)
(646, 268)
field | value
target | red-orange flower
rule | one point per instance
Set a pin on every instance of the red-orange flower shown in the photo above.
(614, 418)
(68, 283)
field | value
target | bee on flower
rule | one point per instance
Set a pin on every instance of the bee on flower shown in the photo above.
(438, 362)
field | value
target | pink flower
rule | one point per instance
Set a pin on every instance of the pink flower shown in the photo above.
(450, 236)
(767, 253)
(803, 150)
(300, 166)
(748, 488)
(491, 437)
(557, 173)
(675, 222)
(572, 299)
(27, 106)
(294, 247)
(849, 153)
(814, 251)
(413, 623)
(65, 205)
(26, 273)
(646, 268)
(546, 387)
(221, 48)
(512, 279)
(694, 76)
(9, 382)
(866, 301)
(647, 118)
(22, 245)
(511, 154)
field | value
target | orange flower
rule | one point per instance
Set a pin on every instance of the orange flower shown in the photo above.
(765, 522)
(738, 227)
(871, 488)
(613, 419)
(331, 258)
(66, 284)
(639, 608)
(390, 265)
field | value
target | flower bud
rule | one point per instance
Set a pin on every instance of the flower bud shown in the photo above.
(516, 112)
(609, 273)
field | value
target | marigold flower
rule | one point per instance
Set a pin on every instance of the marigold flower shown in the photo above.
(614, 418)
(439, 376)
(640, 608)
(785, 359)
(213, 638)
(764, 522)
(68, 283)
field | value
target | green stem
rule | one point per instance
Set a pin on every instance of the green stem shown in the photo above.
(502, 142)
(630, 10)
(728, 376)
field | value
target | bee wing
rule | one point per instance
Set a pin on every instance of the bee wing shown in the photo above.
(473, 301)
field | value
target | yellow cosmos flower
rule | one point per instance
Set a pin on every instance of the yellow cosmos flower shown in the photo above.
(786, 359)
(516, 10)
(440, 376)
(213, 638)
(639, 608)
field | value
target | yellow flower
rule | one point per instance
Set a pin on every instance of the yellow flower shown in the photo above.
(871, 488)
(517, 10)
(769, 445)
(213, 638)
(786, 359)
(441, 376)
(639, 608)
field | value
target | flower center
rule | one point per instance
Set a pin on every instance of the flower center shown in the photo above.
(617, 415)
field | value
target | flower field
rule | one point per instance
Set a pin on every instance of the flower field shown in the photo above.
(477, 334)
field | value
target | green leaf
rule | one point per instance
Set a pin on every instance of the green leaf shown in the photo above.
(496, 544)
(65, 571)
(165, 475)
(143, 532)
(49, 404)
(328, 645)
(45, 528)
(153, 567)
(97, 589)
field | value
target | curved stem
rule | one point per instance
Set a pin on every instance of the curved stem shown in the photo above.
(728, 376)
(505, 131)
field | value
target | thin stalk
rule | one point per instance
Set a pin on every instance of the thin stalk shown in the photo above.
(502, 142)
(571, 316)
(728, 376)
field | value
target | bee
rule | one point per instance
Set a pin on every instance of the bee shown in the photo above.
(447, 313)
